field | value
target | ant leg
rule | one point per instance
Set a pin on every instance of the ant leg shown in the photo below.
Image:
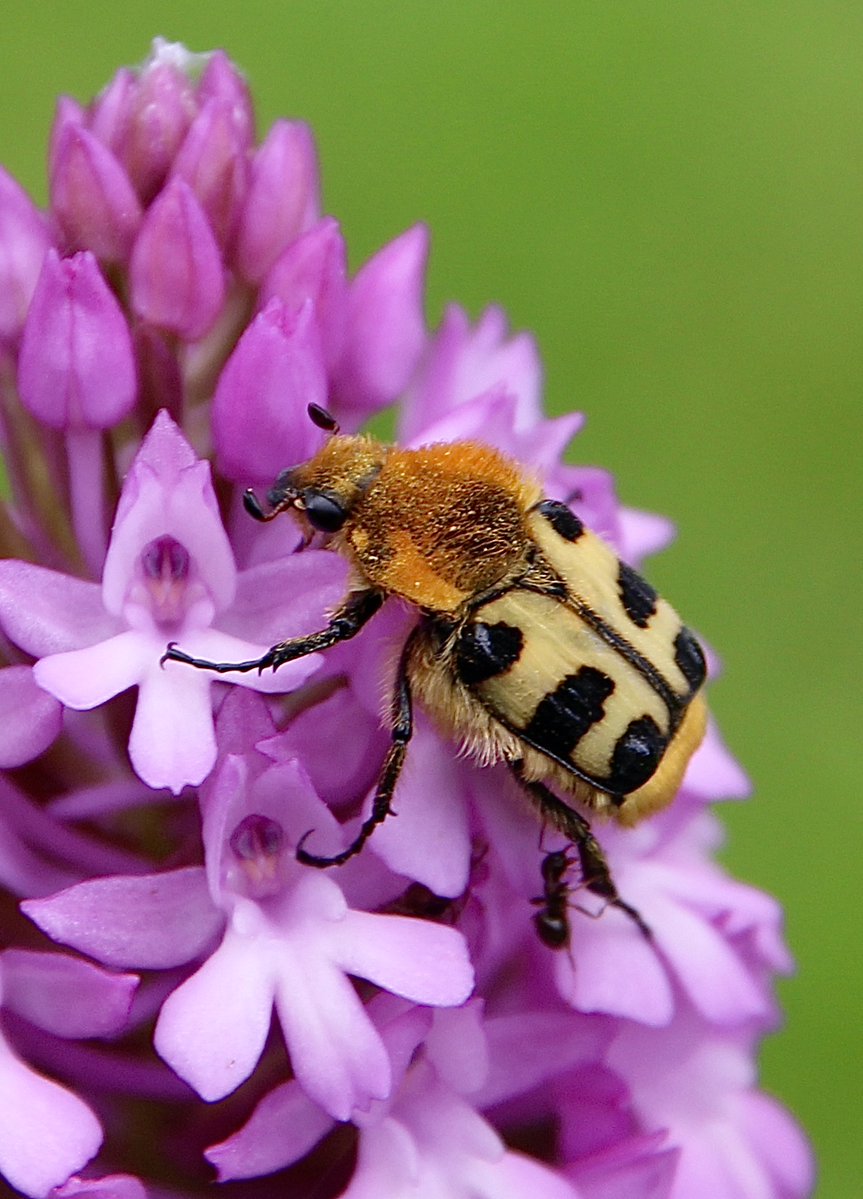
(401, 733)
(594, 867)
(345, 623)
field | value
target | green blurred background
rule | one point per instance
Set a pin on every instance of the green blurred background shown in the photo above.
(671, 196)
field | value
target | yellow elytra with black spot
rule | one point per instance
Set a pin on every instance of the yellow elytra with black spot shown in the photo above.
(534, 644)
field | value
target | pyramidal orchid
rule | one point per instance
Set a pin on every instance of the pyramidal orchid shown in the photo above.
(182, 999)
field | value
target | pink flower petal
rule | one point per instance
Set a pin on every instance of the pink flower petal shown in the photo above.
(259, 409)
(713, 773)
(154, 116)
(47, 1132)
(529, 1048)
(337, 1054)
(779, 1143)
(46, 612)
(212, 161)
(617, 972)
(707, 967)
(30, 718)
(338, 780)
(216, 646)
(314, 268)
(428, 963)
(465, 362)
(516, 1175)
(112, 1186)
(637, 1167)
(286, 598)
(430, 840)
(282, 200)
(173, 742)
(169, 493)
(388, 1163)
(211, 1030)
(37, 986)
(284, 1126)
(86, 678)
(152, 921)
(222, 81)
(457, 1047)
(109, 113)
(643, 534)
(24, 240)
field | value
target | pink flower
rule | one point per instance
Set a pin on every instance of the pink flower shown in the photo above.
(697, 1082)
(289, 939)
(169, 574)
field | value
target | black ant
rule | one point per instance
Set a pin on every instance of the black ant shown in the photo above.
(552, 920)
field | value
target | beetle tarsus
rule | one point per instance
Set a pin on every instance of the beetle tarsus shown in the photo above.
(173, 654)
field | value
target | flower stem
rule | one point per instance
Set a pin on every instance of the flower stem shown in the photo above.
(86, 491)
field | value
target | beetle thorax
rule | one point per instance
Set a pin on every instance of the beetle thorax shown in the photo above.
(439, 525)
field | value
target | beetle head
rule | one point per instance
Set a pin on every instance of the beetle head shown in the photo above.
(325, 489)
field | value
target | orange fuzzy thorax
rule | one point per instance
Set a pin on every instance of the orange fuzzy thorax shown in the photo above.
(435, 525)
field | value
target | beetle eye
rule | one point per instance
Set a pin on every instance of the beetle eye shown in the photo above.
(325, 512)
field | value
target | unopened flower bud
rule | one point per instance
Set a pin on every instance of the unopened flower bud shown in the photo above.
(314, 267)
(24, 239)
(76, 367)
(212, 161)
(223, 82)
(386, 326)
(91, 194)
(176, 269)
(259, 408)
(282, 201)
(161, 109)
(110, 113)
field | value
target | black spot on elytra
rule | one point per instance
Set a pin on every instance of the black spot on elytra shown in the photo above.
(636, 755)
(636, 595)
(564, 715)
(689, 656)
(562, 519)
(486, 650)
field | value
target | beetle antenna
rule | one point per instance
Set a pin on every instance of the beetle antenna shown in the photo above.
(253, 506)
(323, 419)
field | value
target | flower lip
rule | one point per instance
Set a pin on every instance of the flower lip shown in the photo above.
(257, 845)
(166, 574)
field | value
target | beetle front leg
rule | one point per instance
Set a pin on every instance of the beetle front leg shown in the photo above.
(401, 733)
(595, 871)
(344, 624)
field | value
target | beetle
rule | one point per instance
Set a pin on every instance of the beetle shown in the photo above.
(535, 645)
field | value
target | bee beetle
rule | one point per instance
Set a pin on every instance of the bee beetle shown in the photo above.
(535, 645)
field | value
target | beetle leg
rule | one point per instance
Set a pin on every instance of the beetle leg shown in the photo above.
(401, 733)
(594, 868)
(345, 623)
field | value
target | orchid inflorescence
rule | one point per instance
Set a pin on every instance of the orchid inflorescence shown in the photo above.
(394, 1027)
